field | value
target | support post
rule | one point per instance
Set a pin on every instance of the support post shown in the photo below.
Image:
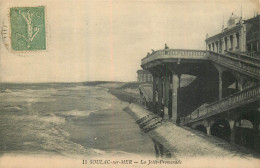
(233, 131)
(208, 130)
(160, 92)
(154, 93)
(167, 87)
(170, 98)
(164, 90)
(178, 99)
(256, 137)
(174, 98)
(220, 84)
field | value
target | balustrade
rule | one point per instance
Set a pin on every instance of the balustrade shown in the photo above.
(173, 52)
(225, 104)
(237, 61)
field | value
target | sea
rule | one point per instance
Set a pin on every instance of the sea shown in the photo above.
(68, 119)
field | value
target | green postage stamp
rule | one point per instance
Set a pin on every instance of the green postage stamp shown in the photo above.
(28, 28)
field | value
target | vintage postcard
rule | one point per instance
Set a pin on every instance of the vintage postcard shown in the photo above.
(129, 83)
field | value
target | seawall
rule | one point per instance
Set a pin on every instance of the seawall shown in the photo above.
(184, 142)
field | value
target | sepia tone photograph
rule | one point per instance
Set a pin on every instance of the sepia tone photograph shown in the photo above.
(129, 83)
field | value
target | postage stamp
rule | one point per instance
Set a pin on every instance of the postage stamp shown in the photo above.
(28, 28)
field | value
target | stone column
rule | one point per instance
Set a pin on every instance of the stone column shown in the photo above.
(233, 131)
(154, 93)
(160, 93)
(257, 46)
(223, 45)
(228, 43)
(167, 87)
(208, 130)
(220, 83)
(256, 139)
(243, 38)
(174, 98)
(178, 99)
(164, 90)
(216, 46)
(170, 98)
(166, 94)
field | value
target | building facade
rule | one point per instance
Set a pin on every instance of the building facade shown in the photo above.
(232, 38)
(144, 76)
(253, 35)
(239, 36)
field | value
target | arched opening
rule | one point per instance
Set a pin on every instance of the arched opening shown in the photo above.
(216, 46)
(225, 41)
(237, 37)
(201, 128)
(209, 47)
(231, 43)
(244, 133)
(221, 129)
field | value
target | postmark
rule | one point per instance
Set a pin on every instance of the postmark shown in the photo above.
(28, 28)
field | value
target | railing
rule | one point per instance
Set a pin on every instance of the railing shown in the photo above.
(251, 54)
(234, 100)
(238, 62)
(174, 52)
(245, 57)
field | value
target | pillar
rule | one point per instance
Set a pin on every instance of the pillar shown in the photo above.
(178, 98)
(208, 130)
(228, 43)
(219, 84)
(175, 98)
(167, 91)
(160, 94)
(154, 93)
(257, 46)
(216, 46)
(164, 90)
(223, 45)
(170, 98)
(256, 137)
(233, 131)
(167, 87)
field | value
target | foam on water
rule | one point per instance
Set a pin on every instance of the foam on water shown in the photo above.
(76, 113)
(27, 95)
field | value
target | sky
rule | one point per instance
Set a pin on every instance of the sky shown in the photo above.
(106, 39)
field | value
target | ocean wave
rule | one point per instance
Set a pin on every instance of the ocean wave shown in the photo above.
(28, 95)
(8, 91)
(13, 109)
(75, 113)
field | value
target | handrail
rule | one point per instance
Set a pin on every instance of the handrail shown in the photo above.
(172, 52)
(252, 54)
(238, 62)
(244, 57)
(224, 104)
